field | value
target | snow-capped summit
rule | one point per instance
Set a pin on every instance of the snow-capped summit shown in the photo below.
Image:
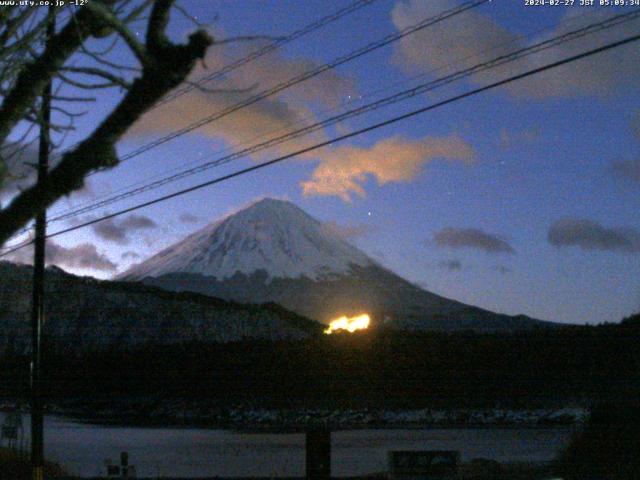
(274, 236)
(272, 251)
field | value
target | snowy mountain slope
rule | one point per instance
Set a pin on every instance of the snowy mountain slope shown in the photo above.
(272, 251)
(271, 235)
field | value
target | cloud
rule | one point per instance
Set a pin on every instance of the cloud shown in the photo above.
(189, 218)
(474, 37)
(129, 254)
(458, 37)
(348, 232)
(343, 170)
(281, 112)
(138, 222)
(472, 238)
(451, 265)
(627, 170)
(120, 231)
(590, 235)
(502, 269)
(83, 255)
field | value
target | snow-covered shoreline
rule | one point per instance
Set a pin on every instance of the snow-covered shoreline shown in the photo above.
(190, 413)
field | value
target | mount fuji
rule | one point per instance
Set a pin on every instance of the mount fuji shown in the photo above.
(272, 251)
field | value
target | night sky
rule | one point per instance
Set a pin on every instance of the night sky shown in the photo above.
(524, 199)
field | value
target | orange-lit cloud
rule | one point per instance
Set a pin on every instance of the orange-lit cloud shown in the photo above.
(344, 170)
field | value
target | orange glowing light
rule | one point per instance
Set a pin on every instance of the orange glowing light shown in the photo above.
(351, 324)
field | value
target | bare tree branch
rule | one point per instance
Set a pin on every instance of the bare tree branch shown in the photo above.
(136, 12)
(156, 38)
(106, 51)
(188, 16)
(67, 113)
(97, 72)
(13, 24)
(35, 75)
(102, 61)
(167, 65)
(104, 13)
(84, 85)
(62, 98)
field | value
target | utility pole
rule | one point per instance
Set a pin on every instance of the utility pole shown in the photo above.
(37, 308)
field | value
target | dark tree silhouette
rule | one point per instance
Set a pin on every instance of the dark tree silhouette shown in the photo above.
(26, 66)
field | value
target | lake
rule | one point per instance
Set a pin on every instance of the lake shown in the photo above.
(84, 448)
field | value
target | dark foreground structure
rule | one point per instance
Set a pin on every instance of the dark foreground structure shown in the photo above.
(607, 448)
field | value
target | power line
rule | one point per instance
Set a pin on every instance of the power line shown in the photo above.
(395, 98)
(306, 76)
(267, 49)
(375, 126)
(510, 57)
(309, 28)
(300, 78)
(197, 164)
(316, 25)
